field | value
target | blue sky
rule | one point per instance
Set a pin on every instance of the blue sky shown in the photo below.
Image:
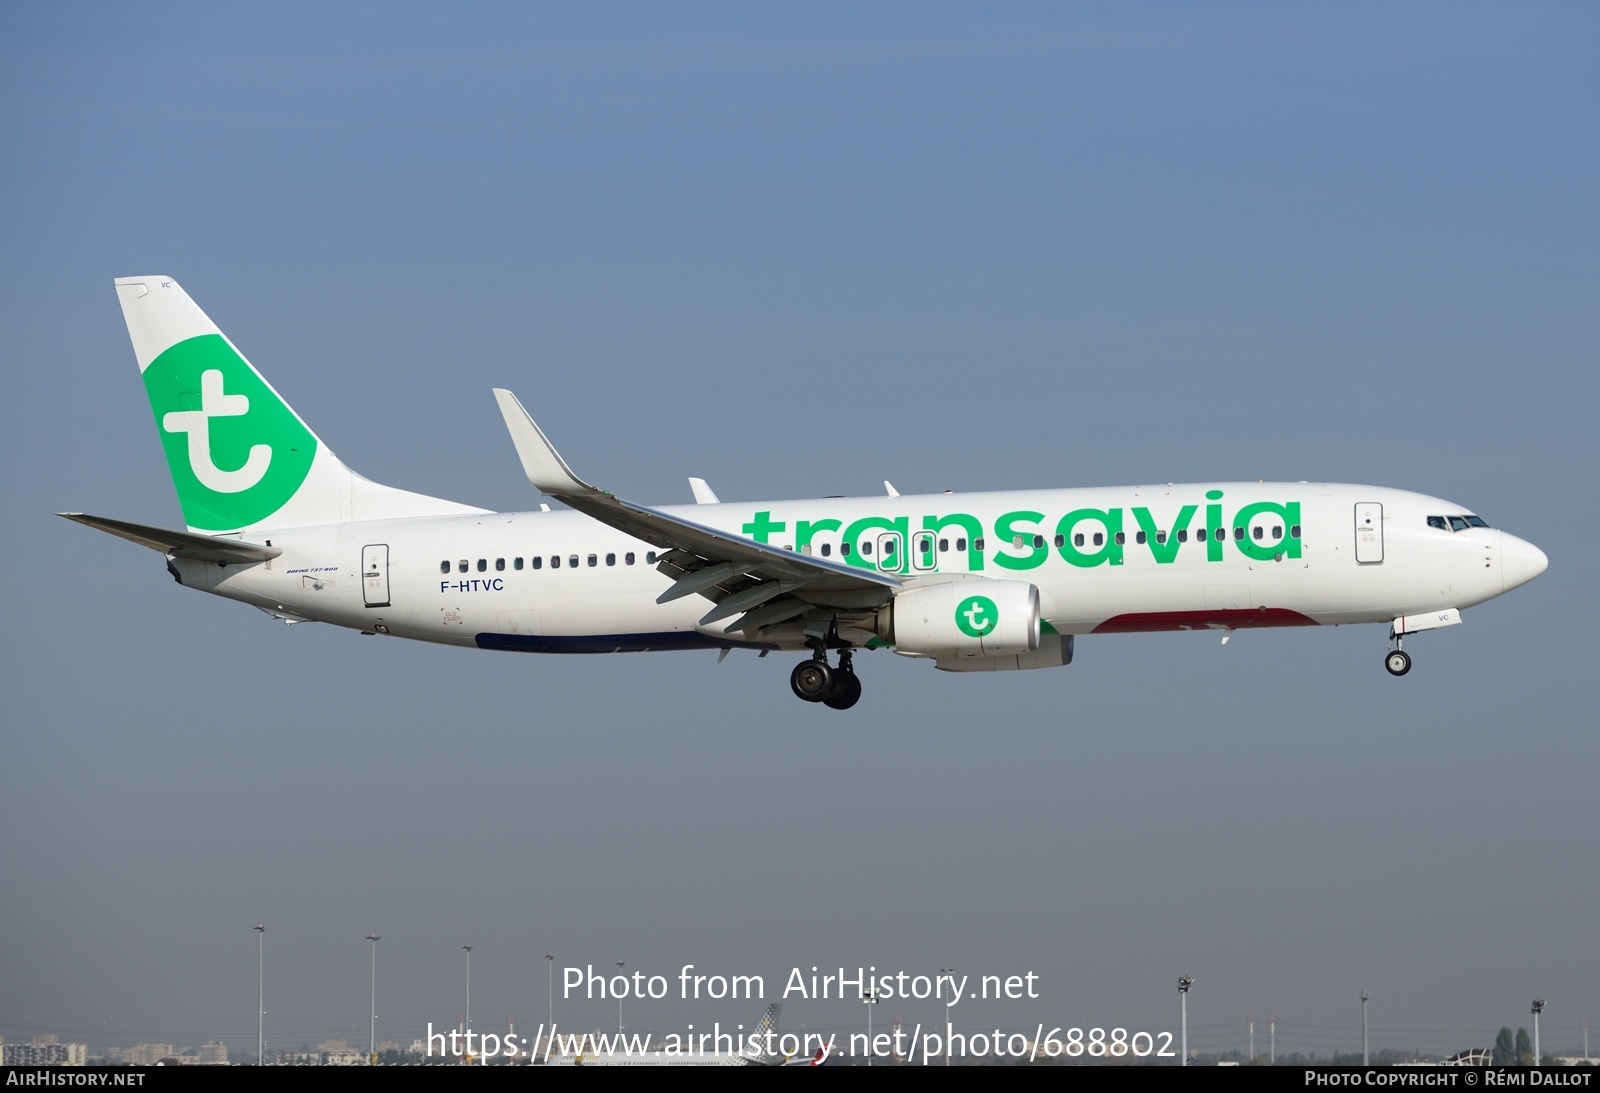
(798, 250)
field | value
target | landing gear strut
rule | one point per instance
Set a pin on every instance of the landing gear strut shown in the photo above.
(813, 681)
(1398, 662)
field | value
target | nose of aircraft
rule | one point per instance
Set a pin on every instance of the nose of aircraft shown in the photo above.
(1520, 561)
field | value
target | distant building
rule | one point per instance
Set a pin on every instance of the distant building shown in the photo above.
(49, 1053)
(149, 1054)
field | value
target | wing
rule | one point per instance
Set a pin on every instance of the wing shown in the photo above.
(762, 584)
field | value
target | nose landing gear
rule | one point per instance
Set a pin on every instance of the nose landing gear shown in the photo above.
(1398, 662)
(836, 688)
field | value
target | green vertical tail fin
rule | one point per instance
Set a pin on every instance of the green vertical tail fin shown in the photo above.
(241, 458)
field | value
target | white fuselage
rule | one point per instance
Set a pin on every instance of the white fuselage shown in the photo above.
(1289, 554)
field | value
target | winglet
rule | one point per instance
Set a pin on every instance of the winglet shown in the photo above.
(703, 494)
(541, 462)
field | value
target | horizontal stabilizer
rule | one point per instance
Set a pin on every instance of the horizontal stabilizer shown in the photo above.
(179, 544)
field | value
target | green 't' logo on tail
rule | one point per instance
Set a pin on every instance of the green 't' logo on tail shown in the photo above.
(236, 452)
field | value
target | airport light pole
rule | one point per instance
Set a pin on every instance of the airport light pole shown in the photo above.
(261, 994)
(1184, 983)
(1538, 1008)
(1364, 1061)
(372, 1035)
(467, 1020)
(948, 973)
(870, 997)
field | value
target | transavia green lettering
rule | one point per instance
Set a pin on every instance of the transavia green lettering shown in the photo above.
(1086, 538)
(890, 554)
(763, 526)
(1164, 542)
(1100, 528)
(1019, 531)
(237, 453)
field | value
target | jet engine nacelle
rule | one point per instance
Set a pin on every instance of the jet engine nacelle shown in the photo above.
(975, 617)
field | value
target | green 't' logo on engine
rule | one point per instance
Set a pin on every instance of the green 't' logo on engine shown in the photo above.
(977, 616)
(236, 452)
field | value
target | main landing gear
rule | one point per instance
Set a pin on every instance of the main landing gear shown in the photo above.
(1398, 662)
(836, 688)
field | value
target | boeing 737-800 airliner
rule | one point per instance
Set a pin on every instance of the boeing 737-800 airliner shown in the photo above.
(973, 582)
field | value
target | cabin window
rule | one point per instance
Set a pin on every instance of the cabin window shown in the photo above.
(1161, 538)
(961, 543)
(944, 545)
(594, 560)
(536, 561)
(1222, 534)
(977, 544)
(461, 566)
(555, 561)
(1139, 538)
(1016, 542)
(628, 558)
(1038, 541)
(1077, 540)
(1121, 538)
(650, 557)
(866, 548)
(1294, 531)
(516, 563)
(1099, 538)
(611, 559)
(499, 565)
(1238, 533)
(1060, 540)
(1183, 535)
(826, 550)
(444, 566)
(483, 565)
(888, 548)
(1257, 531)
(844, 550)
(1277, 531)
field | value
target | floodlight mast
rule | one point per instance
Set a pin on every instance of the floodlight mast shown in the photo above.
(1538, 1008)
(1364, 1059)
(1184, 983)
(466, 1024)
(261, 994)
(372, 1036)
(870, 998)
(950, 975)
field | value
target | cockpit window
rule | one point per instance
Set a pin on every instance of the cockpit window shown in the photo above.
(1438, 522)
(1475, 521)
(1457, 524)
